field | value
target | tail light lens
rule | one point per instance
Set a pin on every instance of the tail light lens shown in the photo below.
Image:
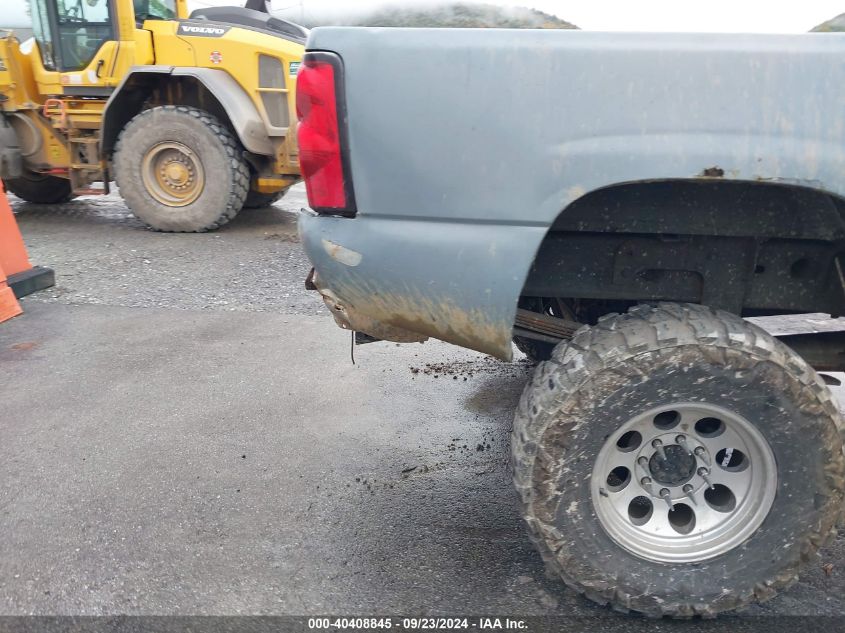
(323, 146)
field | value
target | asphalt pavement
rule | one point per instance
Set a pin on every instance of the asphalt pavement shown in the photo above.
(184, 432)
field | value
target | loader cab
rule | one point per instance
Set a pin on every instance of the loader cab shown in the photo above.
(85, 46)
(69, 33)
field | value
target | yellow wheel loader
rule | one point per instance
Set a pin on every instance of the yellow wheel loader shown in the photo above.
(192, 115)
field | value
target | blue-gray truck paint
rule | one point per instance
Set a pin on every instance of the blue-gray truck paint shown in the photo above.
(466, 145)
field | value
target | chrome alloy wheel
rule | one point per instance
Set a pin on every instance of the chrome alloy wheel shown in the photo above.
(683, 483)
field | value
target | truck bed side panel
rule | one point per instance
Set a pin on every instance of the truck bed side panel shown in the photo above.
(451, 130)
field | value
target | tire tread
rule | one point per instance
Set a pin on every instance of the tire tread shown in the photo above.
(647, 329)
(231, 146)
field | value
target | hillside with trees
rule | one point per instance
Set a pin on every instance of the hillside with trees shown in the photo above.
(832, 25)
(452, 15)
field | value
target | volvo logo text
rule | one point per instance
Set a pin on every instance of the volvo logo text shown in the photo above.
(202, 31)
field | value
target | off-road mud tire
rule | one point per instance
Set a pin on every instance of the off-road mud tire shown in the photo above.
(657, 354)
(40, 188)
(226, 172)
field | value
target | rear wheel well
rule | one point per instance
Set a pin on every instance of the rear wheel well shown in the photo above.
(148, 90)
(746, 247)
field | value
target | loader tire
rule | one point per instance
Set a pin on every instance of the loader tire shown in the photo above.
(256, 200)
(40, 188)
(180, 169)
(749, 410)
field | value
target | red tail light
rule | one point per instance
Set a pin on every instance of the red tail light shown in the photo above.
(322, 134)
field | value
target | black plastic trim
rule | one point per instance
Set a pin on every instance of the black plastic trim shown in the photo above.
(250, 20)
(87, 91)
(32, 280)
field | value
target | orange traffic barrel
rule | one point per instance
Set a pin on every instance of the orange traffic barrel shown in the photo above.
(18, 277)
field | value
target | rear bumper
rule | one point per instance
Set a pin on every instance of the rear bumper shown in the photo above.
(348, 317)
(406, 279)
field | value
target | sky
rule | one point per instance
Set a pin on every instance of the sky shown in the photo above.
(750, 16)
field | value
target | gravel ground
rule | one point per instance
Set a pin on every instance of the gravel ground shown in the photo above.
(198, 442)
(103, 255)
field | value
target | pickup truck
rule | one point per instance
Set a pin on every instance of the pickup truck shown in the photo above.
(616, 205)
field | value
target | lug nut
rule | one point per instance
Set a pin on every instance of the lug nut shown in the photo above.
(703, 473)
(665, 494)
(701, 453)
(658, 445)
(643, 461)
(682, 442)
(688, 490)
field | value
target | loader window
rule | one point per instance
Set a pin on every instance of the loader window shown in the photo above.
(43, 34)
(155, 10)
(84, 25)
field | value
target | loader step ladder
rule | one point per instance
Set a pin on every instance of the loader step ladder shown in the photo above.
(86, 166)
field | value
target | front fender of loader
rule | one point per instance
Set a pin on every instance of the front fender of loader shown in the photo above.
(136, 87)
